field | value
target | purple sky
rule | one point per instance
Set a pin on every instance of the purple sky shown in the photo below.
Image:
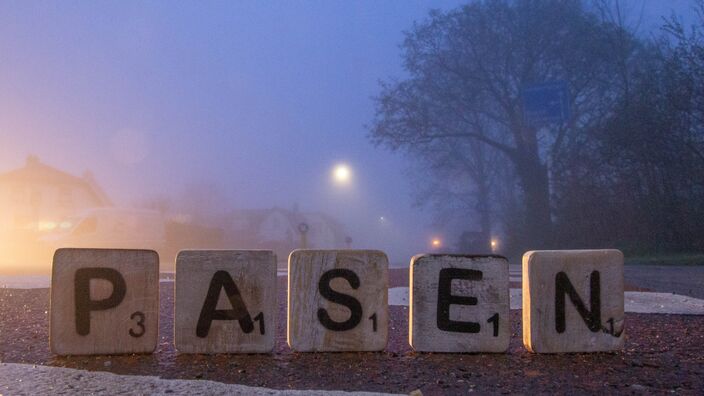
(261, 99)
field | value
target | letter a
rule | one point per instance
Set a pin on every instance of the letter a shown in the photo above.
(222, 280)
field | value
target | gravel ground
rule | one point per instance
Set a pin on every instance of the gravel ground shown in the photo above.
(663, 353)
(686, 280)
(24, 379)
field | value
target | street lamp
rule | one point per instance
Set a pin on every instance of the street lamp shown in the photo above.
(494, 245)
(342, 174)
(436, 243)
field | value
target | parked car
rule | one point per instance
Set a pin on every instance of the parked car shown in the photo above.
(110, 228)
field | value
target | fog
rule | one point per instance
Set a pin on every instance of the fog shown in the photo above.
(209, 116)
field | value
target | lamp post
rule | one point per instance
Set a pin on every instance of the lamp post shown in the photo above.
(303, 230)
(341, 175)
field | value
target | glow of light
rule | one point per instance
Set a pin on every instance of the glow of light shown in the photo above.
(342, 174)
(494, 245)
(436, 243)
(46, 225)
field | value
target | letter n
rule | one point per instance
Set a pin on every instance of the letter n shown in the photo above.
(592, 316)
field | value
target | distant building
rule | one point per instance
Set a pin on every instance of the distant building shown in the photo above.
(37, 197)
(278, 229)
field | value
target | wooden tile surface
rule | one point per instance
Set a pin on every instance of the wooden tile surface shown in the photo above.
(459, 303)
(225, 301)
(104, 301)
(337, 300)
(573, 301)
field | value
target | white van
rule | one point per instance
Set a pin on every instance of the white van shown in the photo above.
(115, 228)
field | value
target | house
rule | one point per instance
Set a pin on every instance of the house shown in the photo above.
(279, 230)
(38, 197)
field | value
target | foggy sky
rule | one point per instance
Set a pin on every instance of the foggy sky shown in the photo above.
(261, 99)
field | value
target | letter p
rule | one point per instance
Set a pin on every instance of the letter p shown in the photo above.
(84, 303)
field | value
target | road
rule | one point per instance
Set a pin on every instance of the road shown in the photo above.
(687, 280)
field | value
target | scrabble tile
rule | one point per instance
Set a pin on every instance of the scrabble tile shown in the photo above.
(337, 300)
(459, 303)
(225, 301)
(104, 301)
(573, 301)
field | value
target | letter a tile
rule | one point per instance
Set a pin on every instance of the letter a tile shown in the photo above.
(225, 301)
(104, 301)
(337, 300)
(459, 303)
(573, 301)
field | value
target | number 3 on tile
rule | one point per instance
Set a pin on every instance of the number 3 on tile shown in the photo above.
(140, 323)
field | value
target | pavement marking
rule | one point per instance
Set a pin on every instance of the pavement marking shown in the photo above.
(515, 274)
(665, 303)
(635, 302)
(27, 379)
(398, 296)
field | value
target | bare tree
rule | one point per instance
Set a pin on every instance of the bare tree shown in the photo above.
(638, 182)
(457, 178)
(687, 62)
(467, 68)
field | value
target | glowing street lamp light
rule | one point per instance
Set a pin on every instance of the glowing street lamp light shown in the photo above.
(436, 243)
(342, 174)
(494, 245)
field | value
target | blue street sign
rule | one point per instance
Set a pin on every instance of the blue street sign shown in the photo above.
(546, 102)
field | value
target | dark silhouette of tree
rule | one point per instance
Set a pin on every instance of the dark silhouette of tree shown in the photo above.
(456, 181)
(637, 183)
(687, 63)
(466, 70)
